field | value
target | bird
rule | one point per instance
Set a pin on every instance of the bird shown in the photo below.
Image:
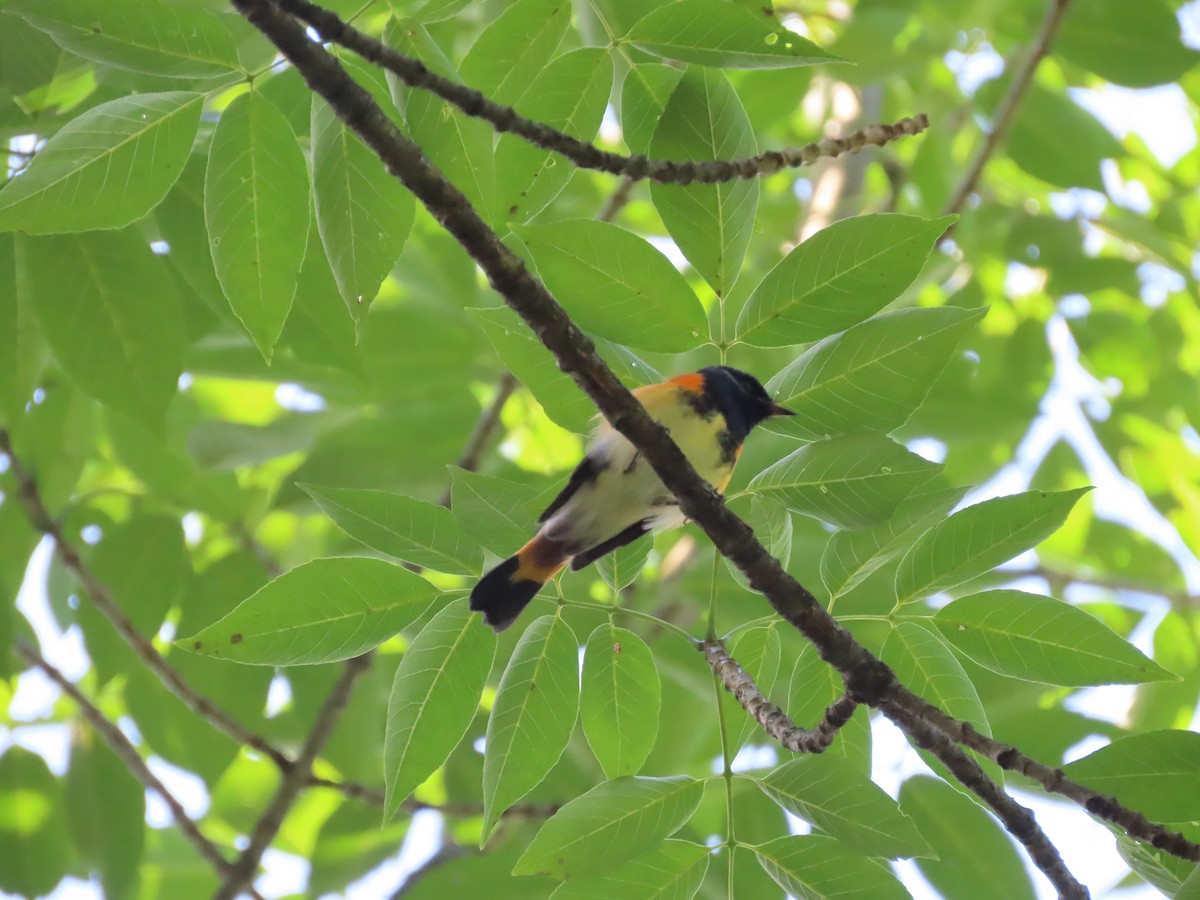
(614, 497)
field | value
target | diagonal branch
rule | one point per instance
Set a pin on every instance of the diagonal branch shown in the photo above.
(775, 721)
(128, 754)
(295, 779)
(1038, 50)
(103, 600)
(587, 156)
(866, 677)
(1017, 819)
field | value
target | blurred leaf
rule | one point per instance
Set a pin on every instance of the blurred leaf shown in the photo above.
(704, 120)
(717, 33)
(1055, 139)
(257, 174)
(322, 611)
(106, 168)
(616, 284)
(620, 699)
(111, 317)
(33, 827)
(349, 845)
(854, 481)
(816, 866)
(434, 697)
(1136, 47)
(979, 538)
(1042, 639)
(975, 857)
(533, 716)
(831, 794)
(613, 822)
(419, 533)
(105, 808)
(837, 278)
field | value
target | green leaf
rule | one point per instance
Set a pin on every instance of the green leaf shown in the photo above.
(37, 850)
(975, 857)
(977, 539)
(927, 667)
(673, 871)
(460, 146)
(256, 211)
(837, 278)
(106, 809)
(417, 532)
(497, 513)
(507, 58)
(613, 822)
(106, 168)
(723, 35)
(644, 96)
(1058, 141)
(318, 612)
(364, 214)
(434, 698)
(22, 349)
(1042, 639)
(813, 867)
(830, 793)
(616, 284)
(711, 223)
(1133, 45)
(813, 685)
(620, 699)
(851, 556)
(168, 40)
(854, 481)
(772, 524)
(760, 654)
(624, 565)
(1157, 773)
(533, 716)
(870, 378)
(569, 95)
(111, 317)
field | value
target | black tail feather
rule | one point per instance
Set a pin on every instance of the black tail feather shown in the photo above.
(501, 598)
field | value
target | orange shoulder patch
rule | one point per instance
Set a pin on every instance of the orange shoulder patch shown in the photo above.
(693, 382)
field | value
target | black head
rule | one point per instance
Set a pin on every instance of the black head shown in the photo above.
(740, 398)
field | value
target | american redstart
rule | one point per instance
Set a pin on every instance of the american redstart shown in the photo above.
(613, 497)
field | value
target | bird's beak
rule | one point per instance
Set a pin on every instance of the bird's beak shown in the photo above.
(777, 410)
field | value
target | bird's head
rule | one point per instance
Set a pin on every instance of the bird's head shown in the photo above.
(740, 398)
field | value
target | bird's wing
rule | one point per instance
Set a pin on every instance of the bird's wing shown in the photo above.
(587, 471)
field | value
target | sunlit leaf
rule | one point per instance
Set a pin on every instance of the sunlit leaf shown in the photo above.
(813, 866)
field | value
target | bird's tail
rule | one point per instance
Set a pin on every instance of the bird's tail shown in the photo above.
(503, 592)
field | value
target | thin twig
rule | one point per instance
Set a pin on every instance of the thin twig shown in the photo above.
(1008, 105)
(102, 599)
(587, 156)
(128, 754)
(295, 779)
(775, 721)
(867, 678)
(1017, 820)
(484, 426)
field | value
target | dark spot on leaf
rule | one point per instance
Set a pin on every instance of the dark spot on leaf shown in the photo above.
(197, 645)
(235, 638)
(512, 209)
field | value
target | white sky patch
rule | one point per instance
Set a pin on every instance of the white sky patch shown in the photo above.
(185, 787)
(972, 70)
(1158, 115)
(610, 127)
(670, 250)
(295, 398)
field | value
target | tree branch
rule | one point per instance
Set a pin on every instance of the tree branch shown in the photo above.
(867, 678)
(775, 721)
(102, 599)
(1008, 105)
(128, 754)
(295, 778)
(1017, 820)
(505, 119)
